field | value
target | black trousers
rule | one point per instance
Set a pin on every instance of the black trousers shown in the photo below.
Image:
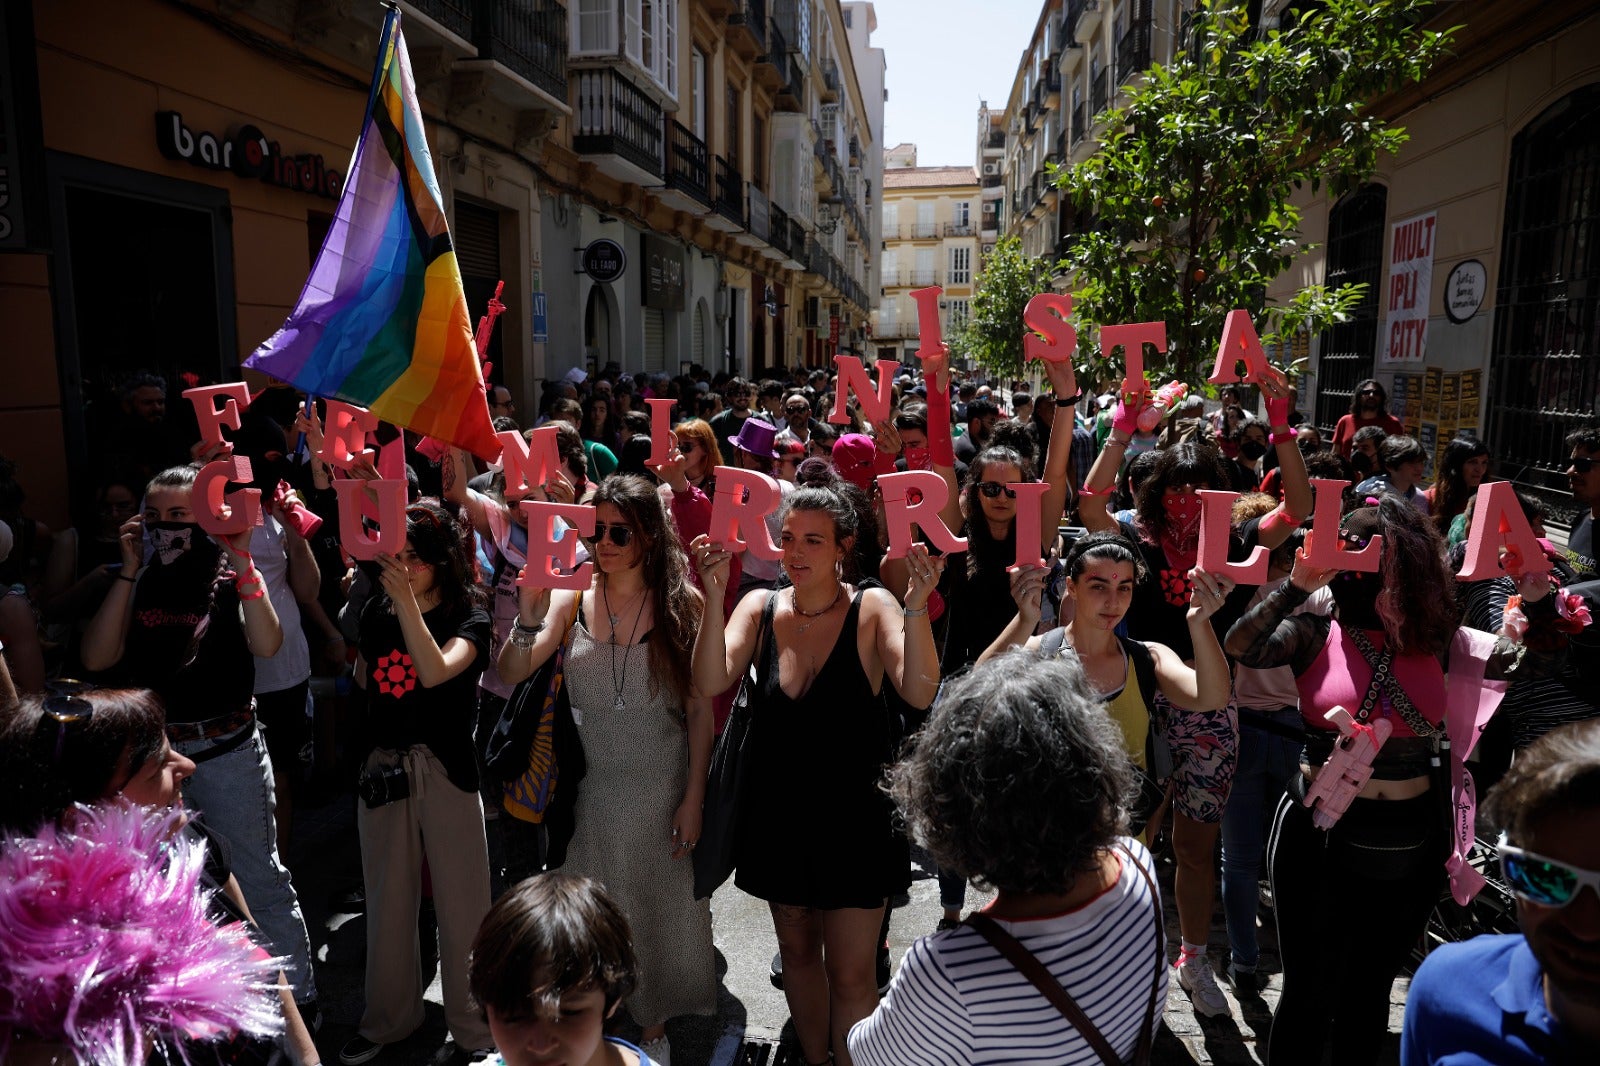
(1351, 903)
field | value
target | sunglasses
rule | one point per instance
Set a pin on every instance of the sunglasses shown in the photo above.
(68, 706)
(1580, 465)
(686, 446)
(1542, 880)
(993, 489)
(617, 533)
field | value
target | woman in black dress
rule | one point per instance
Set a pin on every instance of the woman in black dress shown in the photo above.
(817, 840)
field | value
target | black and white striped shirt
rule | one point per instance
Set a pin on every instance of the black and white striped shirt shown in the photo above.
(956, 1000)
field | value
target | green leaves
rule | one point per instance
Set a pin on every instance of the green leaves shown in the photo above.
(993, 334)
(1224, 136)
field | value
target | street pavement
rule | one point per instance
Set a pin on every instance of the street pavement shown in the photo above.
(749, 1028)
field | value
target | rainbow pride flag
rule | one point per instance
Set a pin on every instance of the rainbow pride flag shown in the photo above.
(382, 321)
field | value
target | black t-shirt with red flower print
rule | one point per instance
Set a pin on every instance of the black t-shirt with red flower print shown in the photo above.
(1161, 602)
(401, 713)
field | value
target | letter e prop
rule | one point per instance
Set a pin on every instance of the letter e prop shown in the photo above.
(344, 434)
(546, 553)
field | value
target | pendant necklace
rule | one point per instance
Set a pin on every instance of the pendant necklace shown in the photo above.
(619, 678)
(794, 601)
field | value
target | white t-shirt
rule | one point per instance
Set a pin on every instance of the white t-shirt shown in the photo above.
(957, 1000)
(292, 664)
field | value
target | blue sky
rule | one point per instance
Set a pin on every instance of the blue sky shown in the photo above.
(943, 57)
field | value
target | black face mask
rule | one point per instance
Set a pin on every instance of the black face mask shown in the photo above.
(181, 546)
(1252, 450)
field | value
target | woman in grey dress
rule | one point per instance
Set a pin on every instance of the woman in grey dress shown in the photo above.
(646, 738)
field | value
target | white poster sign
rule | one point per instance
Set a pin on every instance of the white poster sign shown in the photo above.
(1410, 288)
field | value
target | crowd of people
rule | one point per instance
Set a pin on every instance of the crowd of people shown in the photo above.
(1041, 731)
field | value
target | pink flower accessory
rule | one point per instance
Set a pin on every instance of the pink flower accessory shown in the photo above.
(1513, 623)
(109, 944)
(1571, 611)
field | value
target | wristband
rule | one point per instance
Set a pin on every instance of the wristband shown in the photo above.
(258, 594)
(1114, 442)
(1281, 437)
(129, 580)
(1087, 491)
(941, 447)
(1069, 401)
(910, 612)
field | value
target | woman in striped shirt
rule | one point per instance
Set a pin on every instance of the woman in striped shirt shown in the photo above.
(1020, 782)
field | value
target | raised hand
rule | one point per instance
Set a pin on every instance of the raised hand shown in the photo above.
(673, 470)
(396, 581)
(1062, 377)
(1027, 590)
(130, 538)
(1208, 593)
(714, 565)
(1308, 578)
(533, 603)
(886, 437)
(922, 571)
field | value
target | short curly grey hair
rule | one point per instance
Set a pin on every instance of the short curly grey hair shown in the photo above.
(1020, 778)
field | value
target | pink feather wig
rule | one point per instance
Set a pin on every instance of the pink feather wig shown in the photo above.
(108, 943)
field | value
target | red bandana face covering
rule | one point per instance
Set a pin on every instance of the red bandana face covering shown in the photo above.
(1181, 543)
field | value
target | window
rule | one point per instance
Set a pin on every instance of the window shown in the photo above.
(961, 214)
(595, 28)
(960, 266)
(926, 273)
(847, 18)
(803, 11)
(956, 314)
(758, 150)
(697, 89)
(731, 121)
(925, 221)
(890, 263)
(633, 31)
(891, 220)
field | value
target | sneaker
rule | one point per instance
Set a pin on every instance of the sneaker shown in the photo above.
(1195, 977)
(883, 968)
(659, 1051)
(358, 1050)
(1242, 980)
(947, 924)
(776, 971)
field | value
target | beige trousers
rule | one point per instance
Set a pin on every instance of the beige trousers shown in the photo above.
(443, 824)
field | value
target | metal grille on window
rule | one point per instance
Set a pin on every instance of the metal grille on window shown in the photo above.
(698, 340)
(476, 237)
(1355, 254)
(1544, 365)
(655, 339)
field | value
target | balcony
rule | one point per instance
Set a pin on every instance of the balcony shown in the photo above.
(995, 143)
(619, 127)
(919, 231)
(923, 278)
(893, 329)
(1133, 51)
(772, 66)
(796, 250)
(758, 218)
(828, 87)
(453, 16)
(1047, 92)
(781, 236)
(1097, 93)
(729, 198)
(688, 171)
(522, 52)
(792, 93)
(1082, 18)
(747, 28)
(1079, 126)
(958, 229)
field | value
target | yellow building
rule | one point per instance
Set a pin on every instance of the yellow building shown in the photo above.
(931, 225)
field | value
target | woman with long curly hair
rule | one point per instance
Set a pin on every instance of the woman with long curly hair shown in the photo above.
(646, 740)
(1464, 467)
(424, 641)
(1382, 655)
(816, 838)
(1204, 744)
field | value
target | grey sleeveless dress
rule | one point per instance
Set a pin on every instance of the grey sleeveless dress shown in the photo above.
(638, 761)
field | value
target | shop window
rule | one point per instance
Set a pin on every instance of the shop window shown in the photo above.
(1356, 228)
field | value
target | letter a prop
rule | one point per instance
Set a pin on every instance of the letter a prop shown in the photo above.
(1497, 520)
(1239, 341)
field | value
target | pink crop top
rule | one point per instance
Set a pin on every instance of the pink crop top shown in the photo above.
(1339, 677)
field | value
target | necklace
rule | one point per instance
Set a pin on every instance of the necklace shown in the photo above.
(794, 601)
(619, 677)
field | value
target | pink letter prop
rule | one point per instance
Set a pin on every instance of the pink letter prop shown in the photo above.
(662, 439)
(344, 434)
(899, 513)
(1131, 337)
(235, 397)
(853, 378)
(1497, 509)
(928, 320)
(1030, 506)
(1046, 314)
(529, 463)
(546, 553)
(211, 483)
(1216, 523)
(739, 512)
(1239, 341)
(1323, 549)
(391, 506)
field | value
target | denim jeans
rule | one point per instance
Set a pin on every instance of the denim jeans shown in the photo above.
(233, 792)
(1266, 762)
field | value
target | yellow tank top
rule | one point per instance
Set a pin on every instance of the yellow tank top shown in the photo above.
(1127, 709)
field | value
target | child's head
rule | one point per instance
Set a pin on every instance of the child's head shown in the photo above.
(552, 960)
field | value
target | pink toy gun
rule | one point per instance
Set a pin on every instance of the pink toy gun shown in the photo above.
(1167, 396)
(296, 513)
(1347, 770)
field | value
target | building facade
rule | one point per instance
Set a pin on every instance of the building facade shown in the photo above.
(173, 170)
(931, 226)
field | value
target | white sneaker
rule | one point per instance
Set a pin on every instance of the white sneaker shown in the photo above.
(1196, 978)
(658, 1050)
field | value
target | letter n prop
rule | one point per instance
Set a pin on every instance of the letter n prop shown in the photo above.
(390, 536)
(1216, 523)
(1049, 335)
(552, 563)
(1497, 520)
(235, 397)
(899, 513)
(853, 379)
(243, 506)
(739, 512)
(1239, 341)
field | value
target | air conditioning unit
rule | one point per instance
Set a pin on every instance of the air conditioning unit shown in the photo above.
(991, 168)
(988, 207)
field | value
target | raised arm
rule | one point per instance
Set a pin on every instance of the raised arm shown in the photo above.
(1058, 455)
(941, 444)
(107, 633)
(454, 473)
(1027, 589)
(263, 632)
(1271, 634)
(722, 649)
(1095, 496)
(533, 637)
(1206, 685)
(1296, 483)
(905, 635)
